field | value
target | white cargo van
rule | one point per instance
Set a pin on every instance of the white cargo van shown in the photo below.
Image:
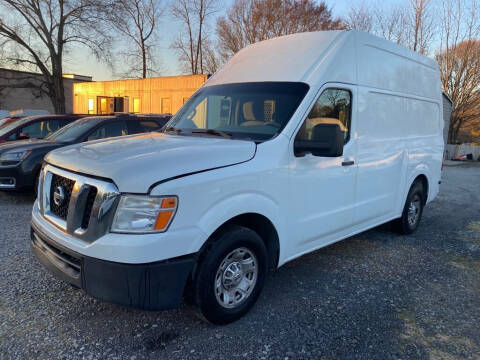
(296, 143)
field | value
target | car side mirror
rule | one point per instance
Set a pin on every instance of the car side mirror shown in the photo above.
(327, 140)
(23, 136)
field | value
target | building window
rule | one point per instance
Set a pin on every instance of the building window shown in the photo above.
(90, 106)
(136, 105)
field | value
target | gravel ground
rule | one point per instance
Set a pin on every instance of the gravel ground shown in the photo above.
(376, 295)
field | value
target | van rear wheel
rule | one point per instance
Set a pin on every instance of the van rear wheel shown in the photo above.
(230, 275)
(412, 210)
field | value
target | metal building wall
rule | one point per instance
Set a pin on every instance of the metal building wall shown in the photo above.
(154, 95)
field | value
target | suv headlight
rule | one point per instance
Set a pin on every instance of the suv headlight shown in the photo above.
(144, 214)
(14, 156)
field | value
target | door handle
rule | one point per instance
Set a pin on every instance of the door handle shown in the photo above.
(348, 163)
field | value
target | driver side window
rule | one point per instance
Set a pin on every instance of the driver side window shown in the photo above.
(334, 106)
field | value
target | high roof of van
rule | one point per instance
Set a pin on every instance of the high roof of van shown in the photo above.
(348, 56)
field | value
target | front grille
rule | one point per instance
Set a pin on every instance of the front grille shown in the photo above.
(92, 194)
(88, 205)
(61, 210)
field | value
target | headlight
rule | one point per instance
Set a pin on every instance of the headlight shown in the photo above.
(144, 214)
(14, 156)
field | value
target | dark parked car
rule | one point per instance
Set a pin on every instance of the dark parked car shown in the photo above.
(34, 127)
(20, 161)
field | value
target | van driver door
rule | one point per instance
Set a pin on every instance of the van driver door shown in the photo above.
(322, 189)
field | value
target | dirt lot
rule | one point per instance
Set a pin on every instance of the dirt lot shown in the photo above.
(377, 295)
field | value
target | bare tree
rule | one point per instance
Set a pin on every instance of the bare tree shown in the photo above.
(36, 35)
(137, 21)
(360, 17)
(391, 23)
(459, 61)
(194, 16)
(250, 21)
(212, 61)
(421, 26)
(411, 23)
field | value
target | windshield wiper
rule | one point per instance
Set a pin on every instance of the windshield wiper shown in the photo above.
(213, 132)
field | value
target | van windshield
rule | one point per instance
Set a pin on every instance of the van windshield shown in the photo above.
(255, 111)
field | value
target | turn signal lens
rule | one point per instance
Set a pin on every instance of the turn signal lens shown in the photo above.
(164, 216)
(169, 203)
(163, 219)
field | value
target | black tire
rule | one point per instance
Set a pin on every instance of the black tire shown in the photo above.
(232, 239)
(404, 225)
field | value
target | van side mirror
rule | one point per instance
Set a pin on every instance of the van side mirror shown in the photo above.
(23, 136)
(327, 140)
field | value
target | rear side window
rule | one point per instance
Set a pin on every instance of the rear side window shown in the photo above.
(334, 106)
(147, 126)
(34, 130)
(40, 129)
(51, 126)
(117, 128)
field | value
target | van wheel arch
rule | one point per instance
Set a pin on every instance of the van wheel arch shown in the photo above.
(413, 206)
(258, 223)
(422, 178)
(262, 226)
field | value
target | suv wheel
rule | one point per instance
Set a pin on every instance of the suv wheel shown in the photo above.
(230, 275)
(412, 211)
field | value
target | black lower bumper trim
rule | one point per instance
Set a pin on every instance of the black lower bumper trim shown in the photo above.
(151, 286)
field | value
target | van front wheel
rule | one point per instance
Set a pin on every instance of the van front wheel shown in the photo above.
(412, 211)
(230, 275)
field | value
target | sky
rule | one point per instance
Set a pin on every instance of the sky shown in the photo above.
(81, 62)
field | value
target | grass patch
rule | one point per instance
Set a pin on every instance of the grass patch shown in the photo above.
(465, 263)
(438, 346)
(474, 228)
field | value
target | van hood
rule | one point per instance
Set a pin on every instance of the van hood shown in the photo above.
(136, 162)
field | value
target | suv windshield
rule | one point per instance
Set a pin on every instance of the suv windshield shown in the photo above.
(256, 111)
(74, 130)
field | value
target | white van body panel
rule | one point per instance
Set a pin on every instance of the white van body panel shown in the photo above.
(286, 58)
(252, 187)
(395, 136)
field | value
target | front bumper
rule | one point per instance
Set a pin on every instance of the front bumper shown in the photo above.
(15, 177)
(150, 286)
(10, 178)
